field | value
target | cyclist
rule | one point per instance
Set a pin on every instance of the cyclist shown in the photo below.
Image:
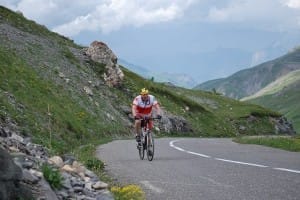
(142, 107)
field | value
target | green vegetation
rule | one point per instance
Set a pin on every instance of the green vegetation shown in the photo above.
(241, 85)
(277, 86)
(61, 116)
(286, 143)
(52, 176)
(69, 122)
(282, 96)
(20, 22)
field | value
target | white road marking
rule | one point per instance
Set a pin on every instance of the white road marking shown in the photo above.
(288, 170)
(190, 152)
(242, 163)
(148, 185)
(230, 161)
(198, 154)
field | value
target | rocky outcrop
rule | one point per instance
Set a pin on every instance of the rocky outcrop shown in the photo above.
(10, 178)
(100, 52)
(21, 174)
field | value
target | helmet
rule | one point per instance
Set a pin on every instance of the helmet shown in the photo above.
(144, 91)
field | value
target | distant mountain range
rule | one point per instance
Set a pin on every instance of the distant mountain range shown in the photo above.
(182, 80)
(249, 81)
(274, 84)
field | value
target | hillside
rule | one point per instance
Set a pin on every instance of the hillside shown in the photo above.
(249, 81)
(44, 73)
(281, 95)
(56, 93)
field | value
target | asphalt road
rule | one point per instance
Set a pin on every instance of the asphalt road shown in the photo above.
(190, 168)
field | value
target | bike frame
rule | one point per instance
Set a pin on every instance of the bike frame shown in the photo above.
(147, 140)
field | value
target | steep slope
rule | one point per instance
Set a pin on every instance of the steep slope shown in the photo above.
(56, 94)
(283, 95)
(249, 81)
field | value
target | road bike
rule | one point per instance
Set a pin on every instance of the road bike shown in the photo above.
(147, 140)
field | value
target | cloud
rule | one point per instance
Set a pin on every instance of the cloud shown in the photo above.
(268, 14)
(292, 3)
(73, 17)
(114, 14)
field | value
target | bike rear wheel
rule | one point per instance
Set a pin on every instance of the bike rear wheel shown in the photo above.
(150, 146)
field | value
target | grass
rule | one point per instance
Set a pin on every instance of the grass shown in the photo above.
(285, 143)
(64, 119)
(28, 99)
(285, 101)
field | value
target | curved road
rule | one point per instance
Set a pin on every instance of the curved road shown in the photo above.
(193, 168)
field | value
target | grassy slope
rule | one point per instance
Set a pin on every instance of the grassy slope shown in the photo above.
(237, 85)
(210, 114)
(282, 95)
(28, 88)
(277, 85)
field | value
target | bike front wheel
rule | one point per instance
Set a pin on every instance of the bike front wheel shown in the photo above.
(141, 151)
(150, 146)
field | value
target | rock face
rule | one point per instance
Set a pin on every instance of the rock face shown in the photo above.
(99, 52)
(21, 174)
(10, 177)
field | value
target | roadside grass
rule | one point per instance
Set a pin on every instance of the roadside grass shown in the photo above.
(281, 142)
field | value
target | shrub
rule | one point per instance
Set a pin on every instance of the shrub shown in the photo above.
(52, 176)
(133, 192)
(94, 164)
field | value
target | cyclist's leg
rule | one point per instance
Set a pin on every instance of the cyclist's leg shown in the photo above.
(137, 129)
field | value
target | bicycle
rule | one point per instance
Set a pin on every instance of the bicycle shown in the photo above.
(147, 140)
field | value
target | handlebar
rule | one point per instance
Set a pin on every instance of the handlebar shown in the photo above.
(147, 118)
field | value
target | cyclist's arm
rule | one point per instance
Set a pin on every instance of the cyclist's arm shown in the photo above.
(134, 110)
(157, 108)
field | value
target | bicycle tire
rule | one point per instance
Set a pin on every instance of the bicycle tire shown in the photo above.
(150, 146)
(142, 148)
(141, 152)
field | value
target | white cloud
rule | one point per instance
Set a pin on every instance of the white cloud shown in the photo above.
(267, 14)
(292, 3)
(72, 17)
(113, 14)
(236, 11)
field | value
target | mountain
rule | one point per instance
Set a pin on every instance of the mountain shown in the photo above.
(181, 80)
(45, 73)
(68, 99)
(247, 82)
(282, 95)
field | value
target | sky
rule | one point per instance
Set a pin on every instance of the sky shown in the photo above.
(205, 39)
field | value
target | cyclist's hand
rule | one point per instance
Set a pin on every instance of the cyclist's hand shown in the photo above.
(158, 117)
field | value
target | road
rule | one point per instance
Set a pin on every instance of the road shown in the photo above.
(210, 169)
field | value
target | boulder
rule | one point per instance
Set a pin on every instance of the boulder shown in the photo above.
(10, 179)
(101, 53)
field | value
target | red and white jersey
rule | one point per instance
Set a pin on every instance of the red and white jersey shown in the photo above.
(144, 107)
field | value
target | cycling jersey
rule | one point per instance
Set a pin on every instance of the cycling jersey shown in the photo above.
(144, 107)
